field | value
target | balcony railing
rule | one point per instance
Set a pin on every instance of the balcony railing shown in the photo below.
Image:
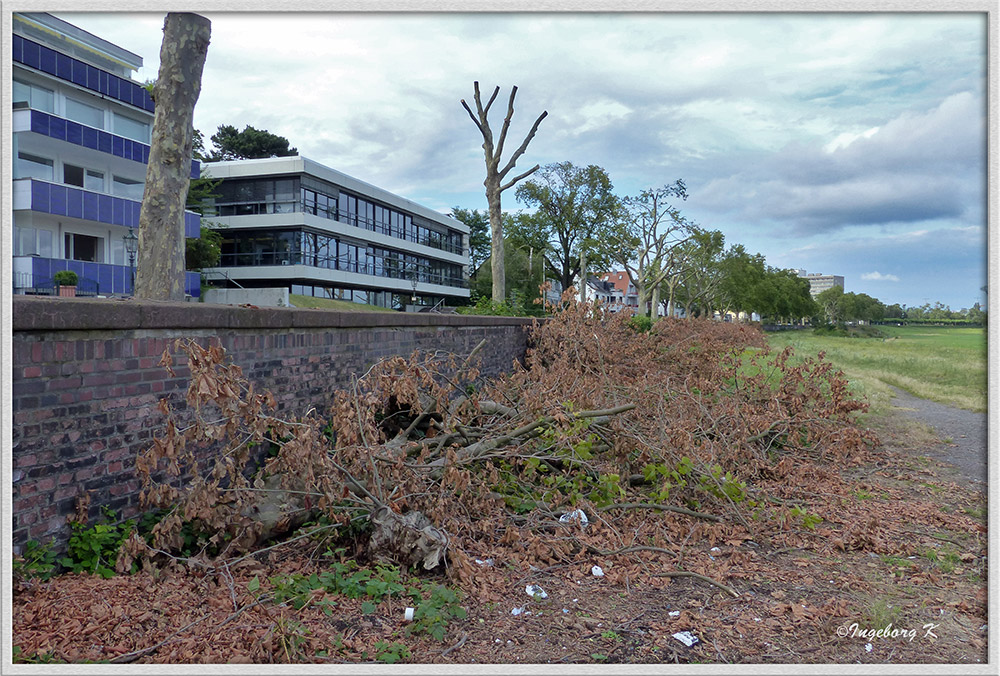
(384, 269)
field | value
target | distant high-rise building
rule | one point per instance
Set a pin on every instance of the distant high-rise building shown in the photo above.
(818, 282)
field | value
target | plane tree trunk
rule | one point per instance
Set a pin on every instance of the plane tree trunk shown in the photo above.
(160, 265)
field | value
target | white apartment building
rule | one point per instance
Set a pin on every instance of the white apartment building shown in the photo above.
(294, 223)
(80, 144)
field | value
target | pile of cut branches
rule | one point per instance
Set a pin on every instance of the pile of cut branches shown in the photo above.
(606, 442)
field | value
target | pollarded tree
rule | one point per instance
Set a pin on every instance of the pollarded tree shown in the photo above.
(496, 177)
(160, 266)
(574, 207)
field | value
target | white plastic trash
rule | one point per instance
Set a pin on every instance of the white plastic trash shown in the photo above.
(597, 571)
(686, 637)
(519, 611)
(535, 591)
(674, 613)
(575, 515)
(408, 614)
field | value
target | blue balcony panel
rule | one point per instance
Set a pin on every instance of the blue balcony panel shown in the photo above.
(40, 196)
(105, 208)
(104, 142)
(192, 225)
(136, 211)
(105, 277)
(64, 67)
(91, 206)
(90, 137)
(74, 133)
(103, 82)
(118, 146)
(57, 200)
(118, 212)
(47, 60)
(40, 122)
(18, 43)
(31, 54)
(93, 78)
(74, 203)
(57, 128)
(79, 72)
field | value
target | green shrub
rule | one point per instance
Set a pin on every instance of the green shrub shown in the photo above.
(94, 549)
(65, 278)
(641, 323)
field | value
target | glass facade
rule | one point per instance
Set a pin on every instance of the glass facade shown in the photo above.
(243, 248)
(242, 197)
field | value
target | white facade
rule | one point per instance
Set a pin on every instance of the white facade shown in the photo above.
(290, 221)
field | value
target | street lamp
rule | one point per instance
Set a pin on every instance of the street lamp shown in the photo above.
(131, 246)
(413, 282)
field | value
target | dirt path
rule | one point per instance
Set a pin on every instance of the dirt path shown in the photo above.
(963, 434)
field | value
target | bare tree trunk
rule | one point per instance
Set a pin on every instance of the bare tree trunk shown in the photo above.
(495, 176)
(583, 275)
(160, 267)
(654, 310)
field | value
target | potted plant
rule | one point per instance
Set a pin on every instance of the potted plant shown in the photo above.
(66, 281)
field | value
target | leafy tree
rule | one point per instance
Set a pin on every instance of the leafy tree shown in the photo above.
(742, 279)
(831, 303)
(574, 207)
(785, 296)
(894, 311)
(249, 144)
(522, 279)
(645, 239)
(479, 234)
(496, 177)
(205, 251)
(160, 266)
(701, 274)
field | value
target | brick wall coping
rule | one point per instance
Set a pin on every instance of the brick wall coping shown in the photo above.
(31, 313)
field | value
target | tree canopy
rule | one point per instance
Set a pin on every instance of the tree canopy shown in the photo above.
(479, 234)
(249, 144)
(573, 208)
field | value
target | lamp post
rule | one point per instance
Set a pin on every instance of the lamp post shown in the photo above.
(131, 246)
(413, 282)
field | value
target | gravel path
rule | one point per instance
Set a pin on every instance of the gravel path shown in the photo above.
(967, 450)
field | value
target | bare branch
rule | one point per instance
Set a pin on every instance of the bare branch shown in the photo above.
(511, 182)
(524, 145)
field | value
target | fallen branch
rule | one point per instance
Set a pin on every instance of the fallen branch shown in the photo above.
(666, 508)
(703, 578)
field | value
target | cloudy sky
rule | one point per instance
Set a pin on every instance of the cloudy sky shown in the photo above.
(849, 144)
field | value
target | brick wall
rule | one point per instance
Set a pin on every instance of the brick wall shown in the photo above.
(85, 382)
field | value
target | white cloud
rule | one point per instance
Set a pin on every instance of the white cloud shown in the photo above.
(879, 277)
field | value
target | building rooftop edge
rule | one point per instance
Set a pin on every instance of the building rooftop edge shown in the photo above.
(46, 21)
(300, 163)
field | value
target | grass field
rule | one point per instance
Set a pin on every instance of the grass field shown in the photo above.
(330, 304)
(943, 364)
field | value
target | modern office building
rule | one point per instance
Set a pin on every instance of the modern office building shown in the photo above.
(291, 222)
(818, 282)
(80, 144)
